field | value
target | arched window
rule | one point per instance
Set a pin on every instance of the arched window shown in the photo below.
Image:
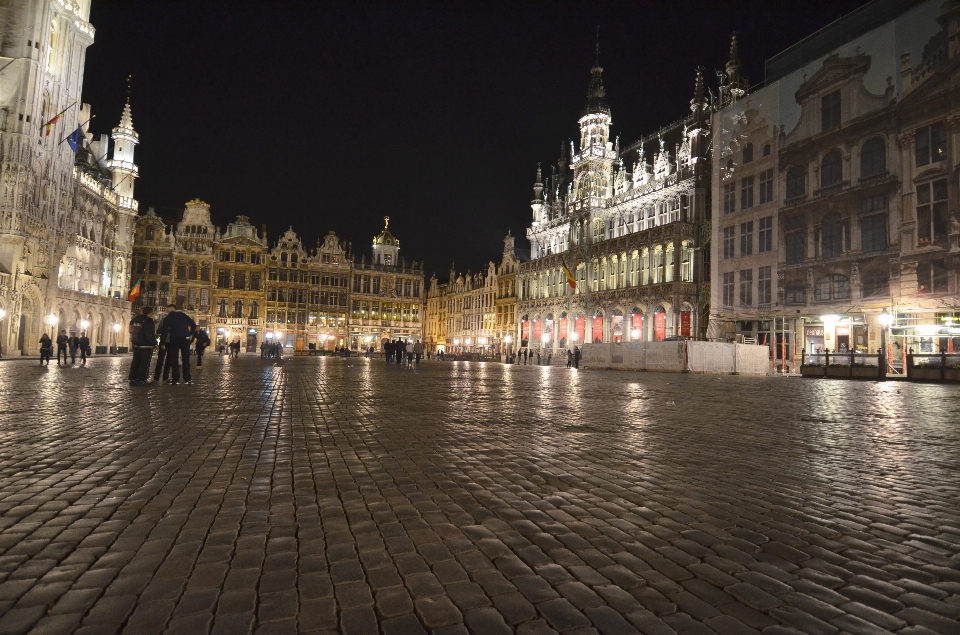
(747, 153)
(832, 235)
(873, 158)
(795, 293)
(841, 287)
(875, 284)
(821, 290)
(796, 182)
(831, 169)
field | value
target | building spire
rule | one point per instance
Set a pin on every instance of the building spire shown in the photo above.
(596, 92)
(734, 87)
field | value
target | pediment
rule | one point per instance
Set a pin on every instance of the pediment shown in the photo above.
(240, 240)
(835, 69)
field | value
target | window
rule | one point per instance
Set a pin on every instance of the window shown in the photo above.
(686, 263)
(766, 186)
(765, 236)
(875, 284)
(873, 158)
(795, 230)
(204, 300)
(181, 272)
(224, 256)
(255, 281)
(222, 307)
(729, 198)
(728, 289)
(932, 218)
(764, 284)
(149, 232)
(254, 310)
(873, 226)
(154, 265)
(747, 153)
(931, 144)
(834, 287)
(272, 274)
(795, 293)
(746, 287)
(239, 280)
(746, 193)
(832, 235)
(831, 169)
(366, 284)
(223, 279)
(240, 257)
(238, 308)
(205, 272)
(932, 277)
(376, 285)
(746, 238)
(766, 149)
(796, 182)
(192, 271)
(830, 111)
(729, 242)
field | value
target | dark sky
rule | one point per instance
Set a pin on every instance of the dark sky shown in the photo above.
(329, 115)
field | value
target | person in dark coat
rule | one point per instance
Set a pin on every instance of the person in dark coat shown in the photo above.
(74, 343)
(84, 348)
(46, 349)
(62, 341)
(143, 339)
(163, 361)
(201, 342)
(178, 327)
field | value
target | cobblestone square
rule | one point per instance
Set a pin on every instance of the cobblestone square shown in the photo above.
(322, 495)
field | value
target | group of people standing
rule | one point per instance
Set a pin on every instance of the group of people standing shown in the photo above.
(268, 350)
(396, 350)
(65, 342)
(172, 337)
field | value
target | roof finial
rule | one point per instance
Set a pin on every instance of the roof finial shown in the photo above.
(129, 78)
(597, 62)
(386, 222)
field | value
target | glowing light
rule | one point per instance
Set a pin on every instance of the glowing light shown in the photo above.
(885, 318)
(467, 341)
(456, 342)
(830, 319)
(116, 327)
(507, 339)
(573, 337)
(928, 329)
(3, 314)
(52, 319)
(84, 324)
(635, 334)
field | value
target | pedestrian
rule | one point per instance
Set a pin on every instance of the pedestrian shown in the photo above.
(178, 327)
(262, 353)
(46, 349)
(201, 342)
(418, 351)
(143, 339)
(163, 356)
(388, 351)
(399, 351)
(538, 357)
(569, 358)
(84, 348)
(526, 354)
(409, 353)
(62, 341)
(74, 343)
(576, 357)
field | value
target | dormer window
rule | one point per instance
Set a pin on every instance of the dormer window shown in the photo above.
(283, 258)
(830, 111)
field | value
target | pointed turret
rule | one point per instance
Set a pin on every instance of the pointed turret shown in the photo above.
(124, 170)
(537, 203)
(734, 88)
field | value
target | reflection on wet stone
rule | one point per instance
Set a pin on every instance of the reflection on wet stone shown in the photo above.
(320, 495)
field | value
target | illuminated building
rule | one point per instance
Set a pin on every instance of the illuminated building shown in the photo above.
(836, 191)
(66, 217)
(629, 224)
(386, 296)
(238, 299)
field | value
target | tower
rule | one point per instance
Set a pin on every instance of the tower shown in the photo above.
(593, 165)
(124, 170)
(537, 203)
(386, 248)
(734, 88)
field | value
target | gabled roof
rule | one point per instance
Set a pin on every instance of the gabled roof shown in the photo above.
(835, 69)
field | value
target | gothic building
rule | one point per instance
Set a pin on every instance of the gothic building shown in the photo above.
(66, 210)
(475, 312)
(836, 191)
(629, 224)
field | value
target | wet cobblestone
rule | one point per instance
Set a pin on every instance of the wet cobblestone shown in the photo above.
(320, 495)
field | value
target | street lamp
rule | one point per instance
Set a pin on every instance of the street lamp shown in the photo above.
(573, 336)
(116, 335)
(83, 325)
(52, 320)
(635, 335)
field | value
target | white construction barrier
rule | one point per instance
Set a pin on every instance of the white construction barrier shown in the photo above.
(715, 358)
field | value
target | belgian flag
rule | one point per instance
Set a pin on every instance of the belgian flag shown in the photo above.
(135, 291)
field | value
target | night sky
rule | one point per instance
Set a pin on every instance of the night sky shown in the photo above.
(329, 116)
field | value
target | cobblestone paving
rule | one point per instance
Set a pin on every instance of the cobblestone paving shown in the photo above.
(347, 496)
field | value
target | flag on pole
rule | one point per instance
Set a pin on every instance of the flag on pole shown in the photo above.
(74, 139)
(135, 291)
(570, 279)
(49, 125)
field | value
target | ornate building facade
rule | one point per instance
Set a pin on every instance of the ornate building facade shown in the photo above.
(66, 217)
(238, 301)
(475, 312)
(630, 226)
(386, 296)
(837, 192)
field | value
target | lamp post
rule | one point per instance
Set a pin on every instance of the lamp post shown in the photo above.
(885, 320)
(116, 336)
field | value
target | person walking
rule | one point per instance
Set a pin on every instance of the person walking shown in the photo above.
(84, 348)
(74, 343)
(576, 357)
(143, 339)
(163, 360)
(399, 350)
(178, 327)
(409, 353)
(46, 349)
(201, 342)
(418, 351)
(62, 341)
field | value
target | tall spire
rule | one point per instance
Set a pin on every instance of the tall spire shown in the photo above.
(733, 71)
(596, 92)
